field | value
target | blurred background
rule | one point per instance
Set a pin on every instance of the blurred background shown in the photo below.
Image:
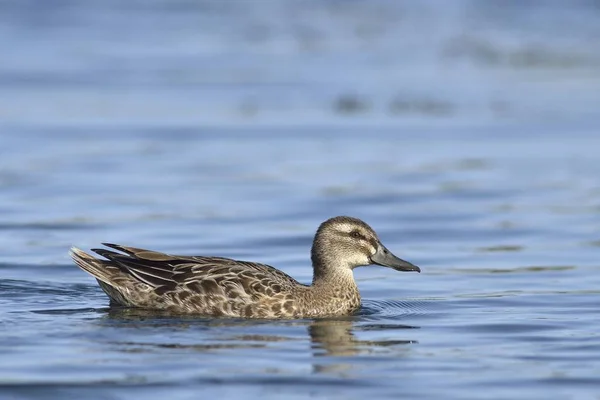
(464, 132)
(296, 63)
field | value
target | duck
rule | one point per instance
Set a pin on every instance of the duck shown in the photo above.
(223, 287)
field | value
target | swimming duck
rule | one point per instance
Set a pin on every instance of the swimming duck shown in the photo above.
(223, 287)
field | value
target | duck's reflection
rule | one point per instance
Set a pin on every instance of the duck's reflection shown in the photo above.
(336, 337)
(334, 344)
(329, 338)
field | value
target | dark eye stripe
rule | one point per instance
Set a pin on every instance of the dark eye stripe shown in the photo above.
(356, 234)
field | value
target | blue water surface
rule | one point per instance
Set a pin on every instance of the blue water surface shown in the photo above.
(466, 133)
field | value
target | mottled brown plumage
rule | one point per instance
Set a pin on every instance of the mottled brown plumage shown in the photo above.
(223, 287)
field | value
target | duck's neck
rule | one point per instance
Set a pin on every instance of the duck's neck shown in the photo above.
(334, 290)
(327, 266)
(332, 275)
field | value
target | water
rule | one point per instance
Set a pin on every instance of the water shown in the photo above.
(465, 134)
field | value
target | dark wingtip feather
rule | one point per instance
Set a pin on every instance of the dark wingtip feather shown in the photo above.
(108, 254)
(124, 249)
(114, 246)
(132, 251)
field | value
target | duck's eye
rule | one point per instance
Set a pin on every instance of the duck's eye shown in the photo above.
(356, 234)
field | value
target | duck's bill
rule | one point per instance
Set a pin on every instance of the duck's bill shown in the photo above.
(385, 258)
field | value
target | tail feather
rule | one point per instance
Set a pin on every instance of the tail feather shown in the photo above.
(110, 278)
(99, 269)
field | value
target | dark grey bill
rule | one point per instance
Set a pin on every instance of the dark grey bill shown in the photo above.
(385, 258)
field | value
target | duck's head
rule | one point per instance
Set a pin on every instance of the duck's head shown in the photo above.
(349, 242)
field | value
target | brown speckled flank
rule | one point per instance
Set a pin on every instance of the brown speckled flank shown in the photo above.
(222, 287)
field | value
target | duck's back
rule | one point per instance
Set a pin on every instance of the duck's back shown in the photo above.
(212, 286)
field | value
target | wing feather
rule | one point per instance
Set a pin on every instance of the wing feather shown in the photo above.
(200, 274)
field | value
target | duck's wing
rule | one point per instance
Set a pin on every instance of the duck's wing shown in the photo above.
(195, 274)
